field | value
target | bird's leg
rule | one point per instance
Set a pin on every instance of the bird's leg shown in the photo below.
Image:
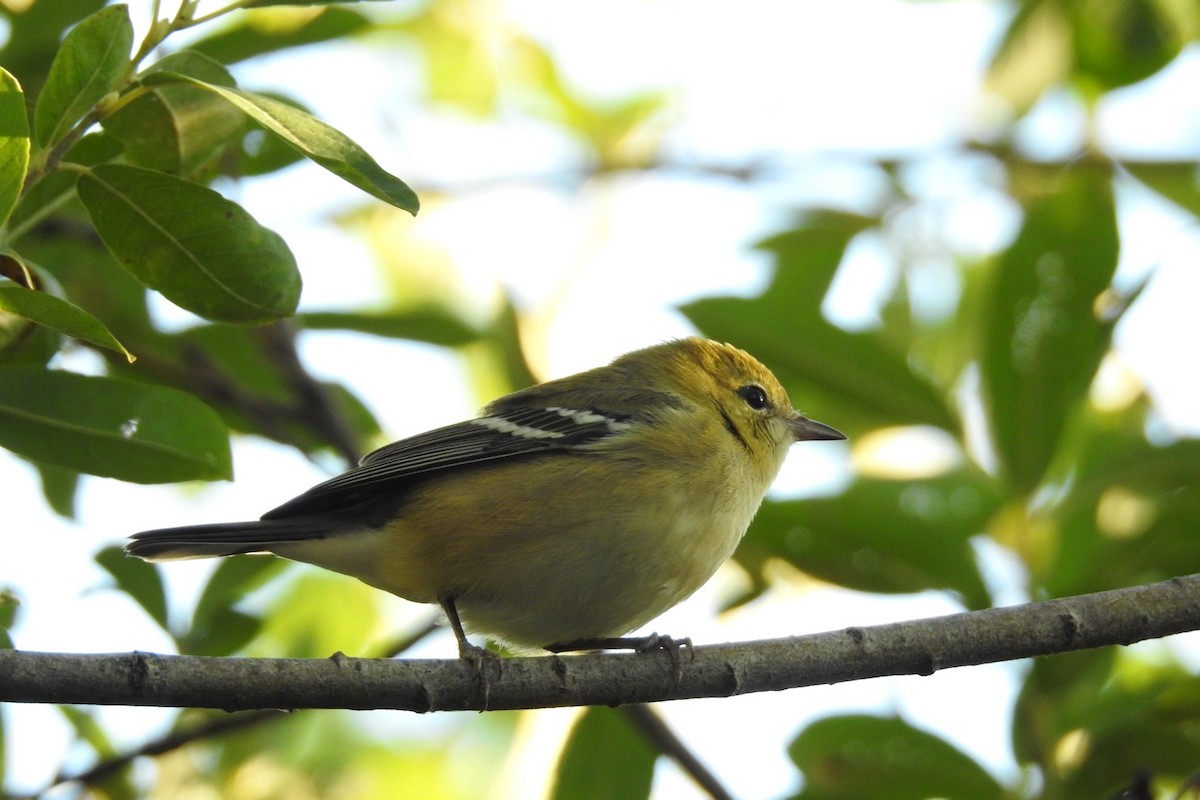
(638, 644)
(480, 657)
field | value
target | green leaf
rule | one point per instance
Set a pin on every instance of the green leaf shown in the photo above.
(1044, 338)
(882, 536)
(1119, 43)
(138, 579)
(1179, 183)
(219, 629)
(605, 758)
(175, 128)
(60, 315)
(111, 427)
(431, 324)
(34, 35)
(884, 758)
(59, 487)
(9, 606)
(14, 143)
(318, 141)
(850, 380)
(201, 251)
(90, 64)
(246, 38)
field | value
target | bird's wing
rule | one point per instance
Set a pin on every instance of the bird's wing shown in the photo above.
(503, 433)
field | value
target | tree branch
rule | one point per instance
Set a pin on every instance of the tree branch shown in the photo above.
(920, 647)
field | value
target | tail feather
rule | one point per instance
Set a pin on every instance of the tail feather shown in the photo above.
(220, 539)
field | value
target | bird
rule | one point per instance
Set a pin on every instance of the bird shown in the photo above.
(564, 516)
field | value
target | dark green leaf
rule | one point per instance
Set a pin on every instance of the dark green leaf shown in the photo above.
(1179, 183)
(882, 536)
(111, 427)
(59, 487)
(138, 579)
(846, 379)
(201, 251)
(318, 141)
(605, 758)
(175, 128)
(247, 39)
(225, 631)
(232, 580)
(60, 315)
(91, 62)
(1121, 42)
(429, 324)
(884, 758)
(1043, 337)
(14, 143)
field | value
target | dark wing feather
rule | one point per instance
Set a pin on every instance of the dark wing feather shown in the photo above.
(515, 433)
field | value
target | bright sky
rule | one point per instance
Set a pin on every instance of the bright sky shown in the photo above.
(807, 82)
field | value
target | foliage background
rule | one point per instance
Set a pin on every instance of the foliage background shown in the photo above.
(975, 253)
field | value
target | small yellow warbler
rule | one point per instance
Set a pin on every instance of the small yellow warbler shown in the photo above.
(569, 512)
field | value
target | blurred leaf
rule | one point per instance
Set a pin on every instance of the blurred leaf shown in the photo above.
(324, 613)
(425, 324)
(1034, 55)
(201, 251)
(34, 34)
(884, 758)
(59, 487)
(318, 141)
(9, 606)
(89, 64)
(231, 581)
(14, 143)
(882, 536)
(249, 37)
(1043, 336)
(46, 309)
(460, 67)
(138, 579)
(849, 380)
(175, 128)
(1119, 42)
(221, 633)
(1100, 720)
(1179, 183)
(605, 758)
(111, 427)
(1129, 517)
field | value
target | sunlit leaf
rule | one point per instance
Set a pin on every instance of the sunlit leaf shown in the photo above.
(14, 143)
(318, 141)
(111, 427)
(246, 38)
(429, 324)
(89, 64)
(201, 251)
(60, 315)
(176, 128)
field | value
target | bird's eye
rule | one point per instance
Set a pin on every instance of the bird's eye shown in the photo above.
(754, 395)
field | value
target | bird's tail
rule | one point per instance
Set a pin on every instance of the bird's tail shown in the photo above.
(221, 539)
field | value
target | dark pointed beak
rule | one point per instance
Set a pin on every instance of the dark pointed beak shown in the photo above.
(805, 429)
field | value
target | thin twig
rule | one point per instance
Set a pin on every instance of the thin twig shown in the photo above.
(658, 733)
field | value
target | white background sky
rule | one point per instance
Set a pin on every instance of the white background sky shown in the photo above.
(807, 82)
